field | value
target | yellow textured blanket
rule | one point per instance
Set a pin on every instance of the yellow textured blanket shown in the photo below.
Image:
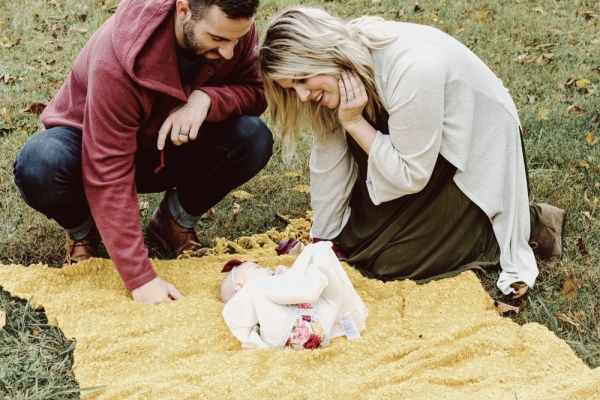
(439, 340)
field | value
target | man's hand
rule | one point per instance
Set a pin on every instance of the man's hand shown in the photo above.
(155, 292)
(186, 119)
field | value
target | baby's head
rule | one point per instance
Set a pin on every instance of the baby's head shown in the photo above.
(238, 273)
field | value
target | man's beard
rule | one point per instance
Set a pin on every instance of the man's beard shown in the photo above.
(193, 48)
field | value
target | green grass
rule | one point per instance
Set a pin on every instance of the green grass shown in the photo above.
(40, 39)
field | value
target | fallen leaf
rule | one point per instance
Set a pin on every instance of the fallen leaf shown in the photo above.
(538, 10)
(291, 174)
(582, 250)
(236, 210)
(589, 15)
(5, 115)
(571, 81)
(459, 30)
(570, 287)
(521, 290)
(554, 32)
(540, 59)
(302, 188)
(143, 206)
(36, 332)
(542, 113)
(574, 110)
(210, 214)
(400, 13)
(581, 83)
(579, 315)
(548, 56)
(283, 218)
(483, 15)
(417, 8)
(593, 221)
(2, 319)
(35, 108)
(241, 194)
(6, 78)
(507, 309)
(568, 320)
(591, 138)
(522, 57)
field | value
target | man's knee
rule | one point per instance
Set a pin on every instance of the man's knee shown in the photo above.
(42, 164)
(256, 132)
(257, 139)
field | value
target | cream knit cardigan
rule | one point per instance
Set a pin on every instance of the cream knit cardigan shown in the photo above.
(441, 99)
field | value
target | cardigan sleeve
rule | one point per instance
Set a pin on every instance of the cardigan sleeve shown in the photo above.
(332, 176)
(402, 162)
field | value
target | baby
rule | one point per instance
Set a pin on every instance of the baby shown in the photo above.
(299, 308)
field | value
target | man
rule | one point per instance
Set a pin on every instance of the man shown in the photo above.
(165, 96)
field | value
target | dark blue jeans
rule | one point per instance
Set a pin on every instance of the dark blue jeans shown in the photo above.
(225, 155)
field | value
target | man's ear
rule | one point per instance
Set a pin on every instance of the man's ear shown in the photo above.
(238, 286)
(184, 13)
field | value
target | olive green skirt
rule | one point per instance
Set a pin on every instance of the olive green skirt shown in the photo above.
(433, 234)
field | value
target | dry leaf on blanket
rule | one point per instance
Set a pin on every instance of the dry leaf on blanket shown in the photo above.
(2, 319)
(568, 320)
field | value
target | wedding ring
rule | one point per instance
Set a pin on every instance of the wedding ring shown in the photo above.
(184, 133)
(350, 96)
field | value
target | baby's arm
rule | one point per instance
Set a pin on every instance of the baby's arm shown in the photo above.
(281, 269)
(291, 289)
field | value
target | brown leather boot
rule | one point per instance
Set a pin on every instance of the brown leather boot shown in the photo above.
(548, 244)
(80, 250)
(164, 230)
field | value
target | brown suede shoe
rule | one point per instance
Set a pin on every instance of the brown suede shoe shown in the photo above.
(548, 244)
(164, 230)
(80, 250)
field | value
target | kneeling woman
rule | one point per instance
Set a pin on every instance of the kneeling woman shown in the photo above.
(417, 166)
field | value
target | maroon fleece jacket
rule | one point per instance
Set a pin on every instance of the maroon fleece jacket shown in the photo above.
(122, 87)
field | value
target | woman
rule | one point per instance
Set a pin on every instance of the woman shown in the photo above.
(417, 167)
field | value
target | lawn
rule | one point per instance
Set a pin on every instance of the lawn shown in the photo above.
(546, 52)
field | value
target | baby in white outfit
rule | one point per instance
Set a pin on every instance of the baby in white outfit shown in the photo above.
(299, 308)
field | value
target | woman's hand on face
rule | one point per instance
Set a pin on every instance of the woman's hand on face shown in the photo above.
(353, 99)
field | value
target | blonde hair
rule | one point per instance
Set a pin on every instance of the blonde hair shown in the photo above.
(303, 42)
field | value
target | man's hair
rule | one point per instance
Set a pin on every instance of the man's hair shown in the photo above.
(234, 9)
